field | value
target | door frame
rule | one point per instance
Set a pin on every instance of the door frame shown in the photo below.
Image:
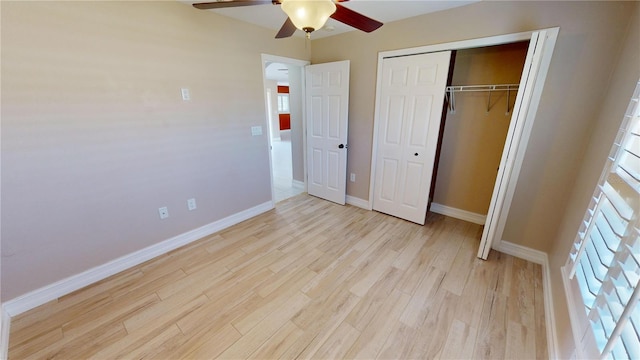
(510, 168)
(265, 58)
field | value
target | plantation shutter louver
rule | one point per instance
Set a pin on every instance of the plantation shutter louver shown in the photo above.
(605, 258)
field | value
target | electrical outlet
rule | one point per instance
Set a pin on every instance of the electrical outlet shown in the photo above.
(164, 212)
(352, 178)
(191, 204)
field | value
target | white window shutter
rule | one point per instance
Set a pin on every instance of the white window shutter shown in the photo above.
(605, 258)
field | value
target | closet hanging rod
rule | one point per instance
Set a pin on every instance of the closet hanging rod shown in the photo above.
(451, 90)
(500, 87)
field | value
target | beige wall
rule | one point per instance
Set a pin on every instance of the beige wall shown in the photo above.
(473, 138)
(618, 91)
(96, 137)
(589, 33)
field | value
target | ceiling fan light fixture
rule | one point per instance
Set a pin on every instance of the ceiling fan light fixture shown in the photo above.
(308, 15)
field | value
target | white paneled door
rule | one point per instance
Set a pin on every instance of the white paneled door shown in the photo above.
(327, 105)
(411, 100)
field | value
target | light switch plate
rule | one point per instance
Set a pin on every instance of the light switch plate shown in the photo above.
(256, 130)
(185, 94)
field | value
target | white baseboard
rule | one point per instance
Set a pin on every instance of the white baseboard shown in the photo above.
(364, 204)
(5, 326)
(538, 257)
(298, 184)
(63, 287)
(522, 252)
(458, 213)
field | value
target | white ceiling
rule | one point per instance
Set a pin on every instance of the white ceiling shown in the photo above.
(272, 17)
(278, 72)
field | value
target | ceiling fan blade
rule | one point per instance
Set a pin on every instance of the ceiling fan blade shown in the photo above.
(357, 20)
(286, 30)
(232, 3)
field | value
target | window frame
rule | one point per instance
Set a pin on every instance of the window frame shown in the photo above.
(283, 104)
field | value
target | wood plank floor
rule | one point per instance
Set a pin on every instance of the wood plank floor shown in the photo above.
(309, 279)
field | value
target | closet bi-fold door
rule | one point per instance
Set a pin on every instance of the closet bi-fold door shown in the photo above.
(411, 99)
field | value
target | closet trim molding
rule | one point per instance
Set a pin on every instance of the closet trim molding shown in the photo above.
(462, 44)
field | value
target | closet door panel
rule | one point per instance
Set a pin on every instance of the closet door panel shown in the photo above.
(412, 181)
(389, 180)
(393, 130)
(412, 96)
(419, 130)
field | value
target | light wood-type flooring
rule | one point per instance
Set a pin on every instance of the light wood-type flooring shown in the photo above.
(309, 279)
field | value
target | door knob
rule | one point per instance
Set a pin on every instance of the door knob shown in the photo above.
(416, 154)
(341, 146)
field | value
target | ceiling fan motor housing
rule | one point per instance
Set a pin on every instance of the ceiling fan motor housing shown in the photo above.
(306, 15)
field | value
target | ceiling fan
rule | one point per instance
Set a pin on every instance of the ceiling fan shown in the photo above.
(306, 15)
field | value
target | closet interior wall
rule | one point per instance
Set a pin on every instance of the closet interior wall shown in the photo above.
(473, 138)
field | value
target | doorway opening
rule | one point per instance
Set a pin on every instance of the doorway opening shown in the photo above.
(483, 85)
(283, 89)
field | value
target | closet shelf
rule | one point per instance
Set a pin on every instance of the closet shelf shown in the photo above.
(451, 90)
